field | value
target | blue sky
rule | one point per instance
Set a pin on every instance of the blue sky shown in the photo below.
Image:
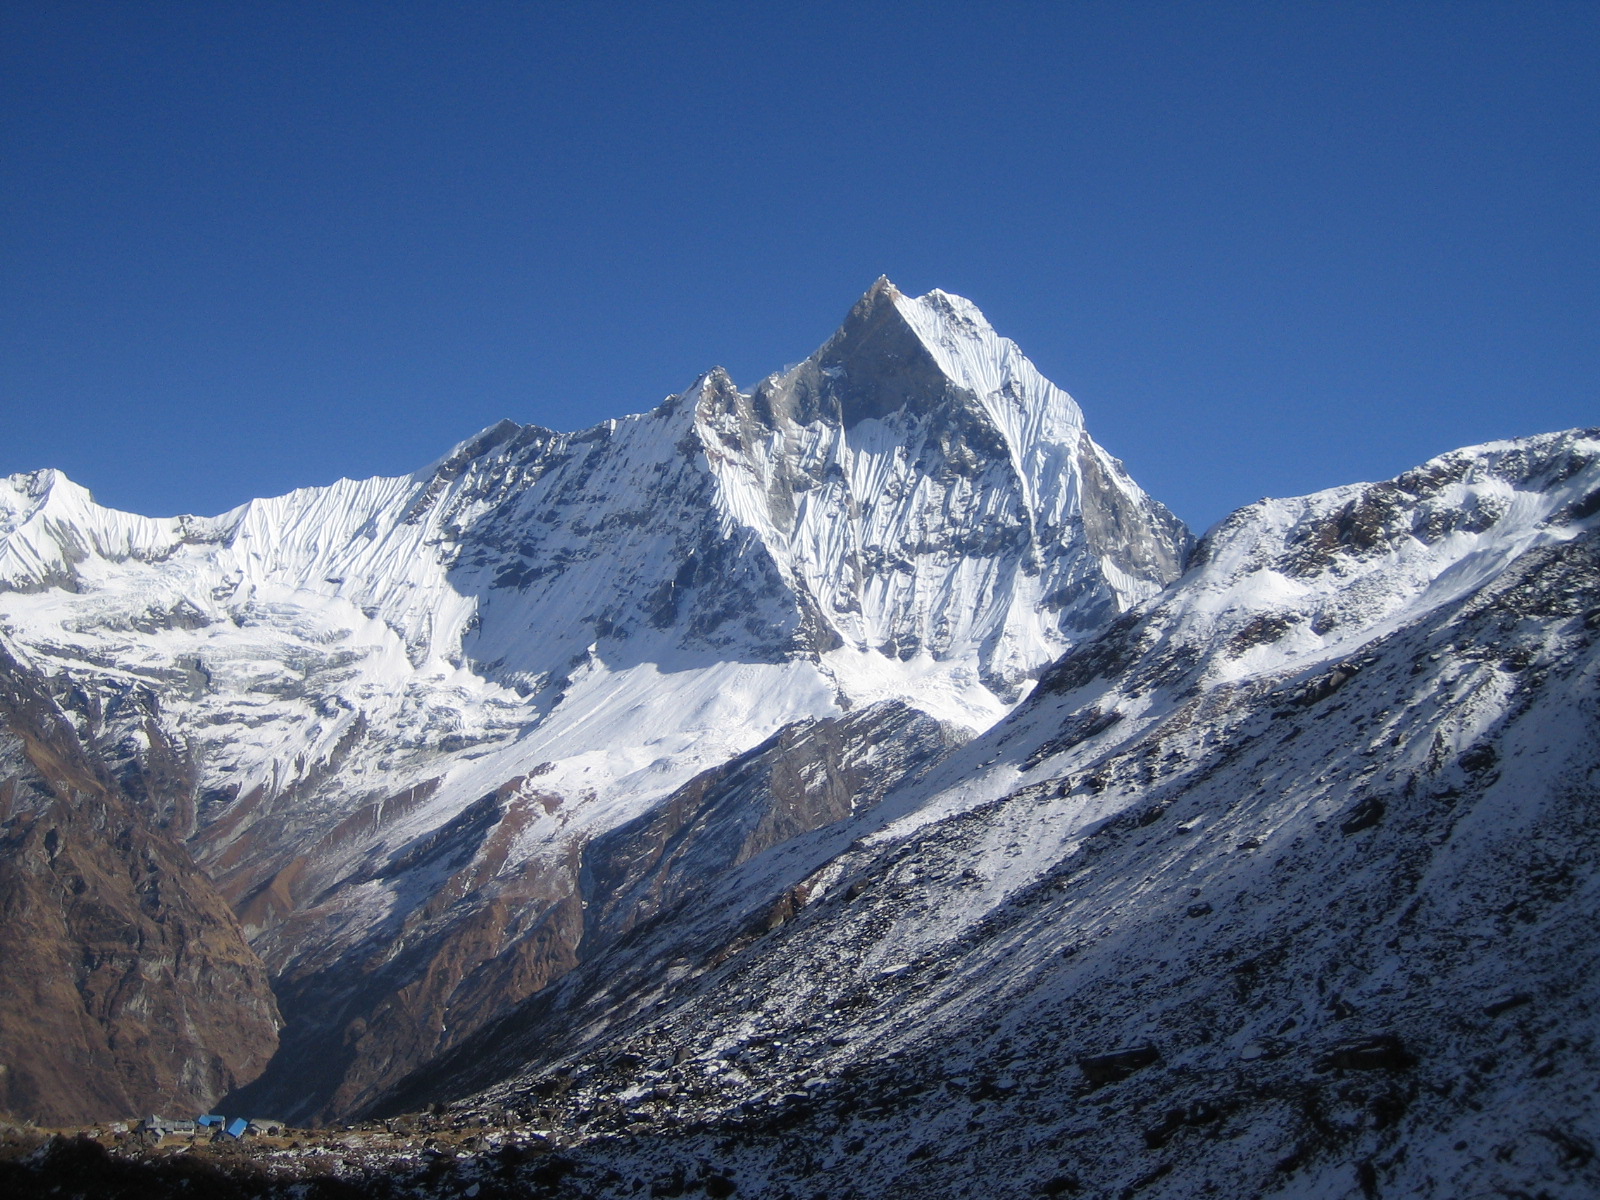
(1269, 247)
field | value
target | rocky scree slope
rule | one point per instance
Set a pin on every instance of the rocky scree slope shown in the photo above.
(129, 986)
(1282, 884)
(411, 703)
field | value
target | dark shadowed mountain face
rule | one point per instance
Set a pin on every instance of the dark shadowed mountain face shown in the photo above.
(412, 708)
(129, 986)
(1281, 885)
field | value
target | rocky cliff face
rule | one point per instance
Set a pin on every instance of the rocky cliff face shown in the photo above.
(410, 704)
(129, 986)
(1280, 885)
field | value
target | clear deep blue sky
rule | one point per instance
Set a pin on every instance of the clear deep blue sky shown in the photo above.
(1269, 247)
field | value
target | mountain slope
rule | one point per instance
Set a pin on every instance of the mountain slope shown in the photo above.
(129, 985)
(1280, 885)
(412, 702)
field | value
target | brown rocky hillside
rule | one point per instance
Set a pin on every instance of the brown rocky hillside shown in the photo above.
(127, 985)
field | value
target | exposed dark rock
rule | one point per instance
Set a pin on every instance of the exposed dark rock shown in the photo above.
(1115, 1065)
(1506, 1003)
(1381, 1052)
(1367, 813)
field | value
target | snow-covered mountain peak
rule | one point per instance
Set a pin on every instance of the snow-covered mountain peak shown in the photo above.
(37, 494)
(1300, 583)
(896, 354)
(49, 525)
(917, 445)
(912, 514)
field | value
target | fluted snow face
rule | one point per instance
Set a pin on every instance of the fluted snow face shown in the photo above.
(936, 503)
(1042, 426)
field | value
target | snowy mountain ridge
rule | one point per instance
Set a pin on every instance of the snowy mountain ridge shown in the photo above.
(1294, 588)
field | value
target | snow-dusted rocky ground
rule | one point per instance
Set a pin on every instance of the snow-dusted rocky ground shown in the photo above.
(409, 704)
(1283, 884)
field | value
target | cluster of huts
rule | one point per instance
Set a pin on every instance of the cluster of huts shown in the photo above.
(214, 1124)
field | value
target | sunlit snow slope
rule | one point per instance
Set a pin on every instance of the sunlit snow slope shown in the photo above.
(409, 701)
